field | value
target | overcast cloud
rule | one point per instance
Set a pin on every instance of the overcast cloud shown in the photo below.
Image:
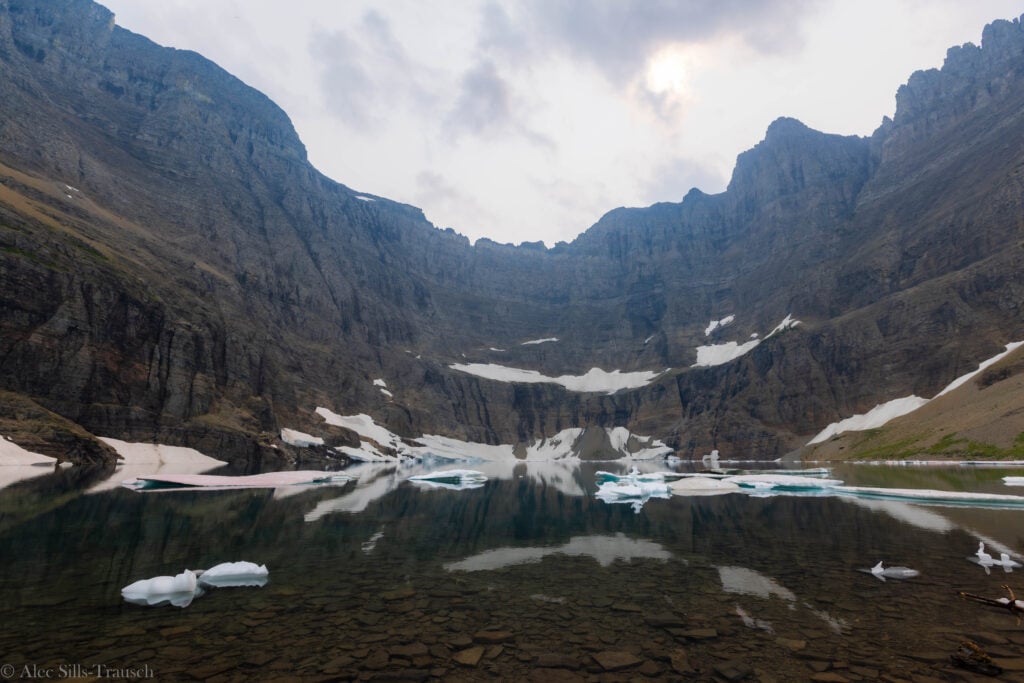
(525, 121)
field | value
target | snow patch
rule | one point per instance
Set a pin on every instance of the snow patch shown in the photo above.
(595, 380)
(545, 340)
(884, 412)
(13, 454)
(364, 198)
(720, 354)
(293, 437)
(873, 419)
(383, 386)
(715, 324)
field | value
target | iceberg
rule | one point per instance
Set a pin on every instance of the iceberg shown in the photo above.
(882, 573)
(634, 488)
(702, 486)
(232, 574)
(181, 589)
(178, 590)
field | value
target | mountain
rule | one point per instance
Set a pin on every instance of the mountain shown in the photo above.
(172, 268)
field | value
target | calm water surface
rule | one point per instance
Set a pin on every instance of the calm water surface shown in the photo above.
(526, 578)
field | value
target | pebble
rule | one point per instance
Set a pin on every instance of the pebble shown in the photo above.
(616, 661)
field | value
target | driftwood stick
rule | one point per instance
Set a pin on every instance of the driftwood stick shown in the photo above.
(1012, 604)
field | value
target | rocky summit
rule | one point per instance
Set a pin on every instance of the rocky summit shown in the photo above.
(172, 268)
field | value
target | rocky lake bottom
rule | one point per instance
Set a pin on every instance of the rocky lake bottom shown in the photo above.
(516, 580)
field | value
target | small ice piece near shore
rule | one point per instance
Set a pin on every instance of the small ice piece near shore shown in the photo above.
(231, 574)
(882, 573)
(178, 590)
(456, 480)
(983, 558)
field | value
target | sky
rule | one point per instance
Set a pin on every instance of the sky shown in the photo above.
(528, 120)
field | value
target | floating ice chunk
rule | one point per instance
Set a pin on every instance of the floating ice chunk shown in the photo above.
(633, 488)
(882, 573)
(265, 480)
(782, 482)
(457, 480)
(178, 590)
(702, 486)
(934, 497)
(1007, 562)
(228, 574)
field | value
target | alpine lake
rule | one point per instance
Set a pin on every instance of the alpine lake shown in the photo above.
(527, 577)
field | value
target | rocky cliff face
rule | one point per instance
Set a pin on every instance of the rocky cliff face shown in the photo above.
(171, 267)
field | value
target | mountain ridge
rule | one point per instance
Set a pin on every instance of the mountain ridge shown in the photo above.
(231, 287)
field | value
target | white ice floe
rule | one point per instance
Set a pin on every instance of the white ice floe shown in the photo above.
(883, 413)
(604, 549)
(594, 380)
(743, 581)
(178, 590)
(715, 324)
(143, 459)
(545, 340)
(720, 354)
(782, 482)
(181, 589)
(874, 418)
(882, 573)
(702, 486)
(983, 558)
(293, 437)
(215, 481)
(234, 574)
(934, 497)
(634, 488)
(456, 480)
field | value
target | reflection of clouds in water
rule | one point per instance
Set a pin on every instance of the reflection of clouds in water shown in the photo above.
(604, 549)
(836, 624)
(743, 581)
(749, 582)
(751, 622)
(913, 515)
(10, 474)
(922, 518)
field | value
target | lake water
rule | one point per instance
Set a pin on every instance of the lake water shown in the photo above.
(525, 578)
